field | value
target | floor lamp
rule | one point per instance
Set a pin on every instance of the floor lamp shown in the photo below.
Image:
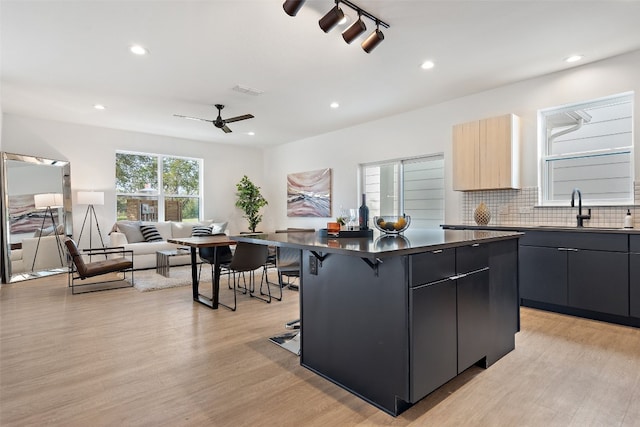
(90, 198)
(48, 202)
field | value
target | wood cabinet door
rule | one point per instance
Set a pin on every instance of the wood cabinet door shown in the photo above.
(466, 156)
(495, 152)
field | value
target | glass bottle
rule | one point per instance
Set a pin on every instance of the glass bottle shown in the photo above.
(364, 214)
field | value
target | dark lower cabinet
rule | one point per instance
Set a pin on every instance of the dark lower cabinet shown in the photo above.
(473, 318)
(543, 274)
(433, 340)
(599, 281)
(634, 285)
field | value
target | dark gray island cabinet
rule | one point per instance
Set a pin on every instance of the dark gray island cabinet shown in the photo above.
(392, 319)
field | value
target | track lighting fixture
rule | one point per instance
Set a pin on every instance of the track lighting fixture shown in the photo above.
(335, 15)
(291, 7)
(354, 30)
(373, 40)
(331, 19)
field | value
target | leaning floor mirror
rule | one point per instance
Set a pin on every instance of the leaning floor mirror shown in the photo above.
(36, 216)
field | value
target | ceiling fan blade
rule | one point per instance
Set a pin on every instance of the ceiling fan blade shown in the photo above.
(192, 118)
(226, 129)
(238, 118)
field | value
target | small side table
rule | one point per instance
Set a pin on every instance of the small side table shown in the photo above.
(163, 260)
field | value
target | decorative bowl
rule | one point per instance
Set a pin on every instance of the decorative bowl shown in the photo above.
(391, 224)
(391, 242)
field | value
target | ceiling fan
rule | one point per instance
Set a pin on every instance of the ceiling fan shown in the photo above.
(219, 122)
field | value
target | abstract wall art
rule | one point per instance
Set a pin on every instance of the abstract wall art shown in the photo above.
(309, 193)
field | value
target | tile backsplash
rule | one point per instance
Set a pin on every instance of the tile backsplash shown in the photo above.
(519, 207)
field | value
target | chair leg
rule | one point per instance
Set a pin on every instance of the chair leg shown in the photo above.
(265, 280)
(252, 282)
(235, 299)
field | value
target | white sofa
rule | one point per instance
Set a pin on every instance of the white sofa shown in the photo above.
(127, 234)
(48, 256)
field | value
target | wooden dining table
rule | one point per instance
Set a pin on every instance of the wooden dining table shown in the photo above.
(205, 242)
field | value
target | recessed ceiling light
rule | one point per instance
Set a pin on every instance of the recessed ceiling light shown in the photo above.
(99, 107)
(334, 105)
(573, 58)
(138, 50)
(251, 133)
(427, 65)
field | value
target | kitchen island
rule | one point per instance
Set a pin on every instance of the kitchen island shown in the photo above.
(392, 318)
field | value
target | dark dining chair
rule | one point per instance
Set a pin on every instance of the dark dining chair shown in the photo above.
(246, 259)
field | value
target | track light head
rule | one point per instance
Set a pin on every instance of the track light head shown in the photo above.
(291, 7)
(331, 19)
(373, 40)
(354, 30)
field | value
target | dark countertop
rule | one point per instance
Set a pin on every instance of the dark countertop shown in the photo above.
(380, 246)
(529, 227)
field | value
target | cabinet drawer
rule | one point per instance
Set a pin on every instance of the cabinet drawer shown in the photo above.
(432, 266)
(578, 240)
(472, 258)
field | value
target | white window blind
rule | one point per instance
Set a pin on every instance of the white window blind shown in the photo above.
(411, 186)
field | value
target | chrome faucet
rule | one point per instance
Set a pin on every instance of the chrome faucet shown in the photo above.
(579, 217)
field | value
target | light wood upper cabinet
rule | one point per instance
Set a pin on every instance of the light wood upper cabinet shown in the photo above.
(486, 154)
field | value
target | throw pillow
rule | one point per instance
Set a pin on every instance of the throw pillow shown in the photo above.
(200, 230)
(131, 230)
(150, 233)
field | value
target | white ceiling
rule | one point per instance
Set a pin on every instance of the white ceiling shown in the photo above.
(59, 58)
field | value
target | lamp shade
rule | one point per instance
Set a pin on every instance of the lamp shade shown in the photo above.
(331, 19)
(48, 200)
(90, 197)
(351, 33)
(372, 41)
(291, 7)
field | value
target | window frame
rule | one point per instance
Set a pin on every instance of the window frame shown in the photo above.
(160, 193)
(546, 159)
(399, 183)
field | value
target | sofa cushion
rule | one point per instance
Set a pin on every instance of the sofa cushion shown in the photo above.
(131, 229)
(181, 229)
(164, 228)
(201, 230)
(49, 231)
(150, 233)
(218, 227)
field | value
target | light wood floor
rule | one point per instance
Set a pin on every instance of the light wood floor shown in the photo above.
(126, 358)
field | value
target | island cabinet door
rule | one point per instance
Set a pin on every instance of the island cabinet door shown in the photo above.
(433, 344)
(472, 265)
(432, 322)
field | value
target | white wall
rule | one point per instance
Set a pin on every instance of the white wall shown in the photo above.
(428, 131)
(91, 151)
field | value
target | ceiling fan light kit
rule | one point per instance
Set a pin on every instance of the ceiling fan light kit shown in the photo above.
(335, 15)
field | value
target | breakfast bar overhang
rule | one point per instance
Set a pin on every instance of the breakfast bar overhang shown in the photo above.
(392, 318)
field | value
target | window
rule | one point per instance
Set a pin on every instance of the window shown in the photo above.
(411, 186)
(588, 146)
(153, 187)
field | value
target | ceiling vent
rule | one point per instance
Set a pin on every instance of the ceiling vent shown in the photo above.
(248, 90)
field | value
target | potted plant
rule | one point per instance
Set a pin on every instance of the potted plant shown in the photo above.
(250, 201)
